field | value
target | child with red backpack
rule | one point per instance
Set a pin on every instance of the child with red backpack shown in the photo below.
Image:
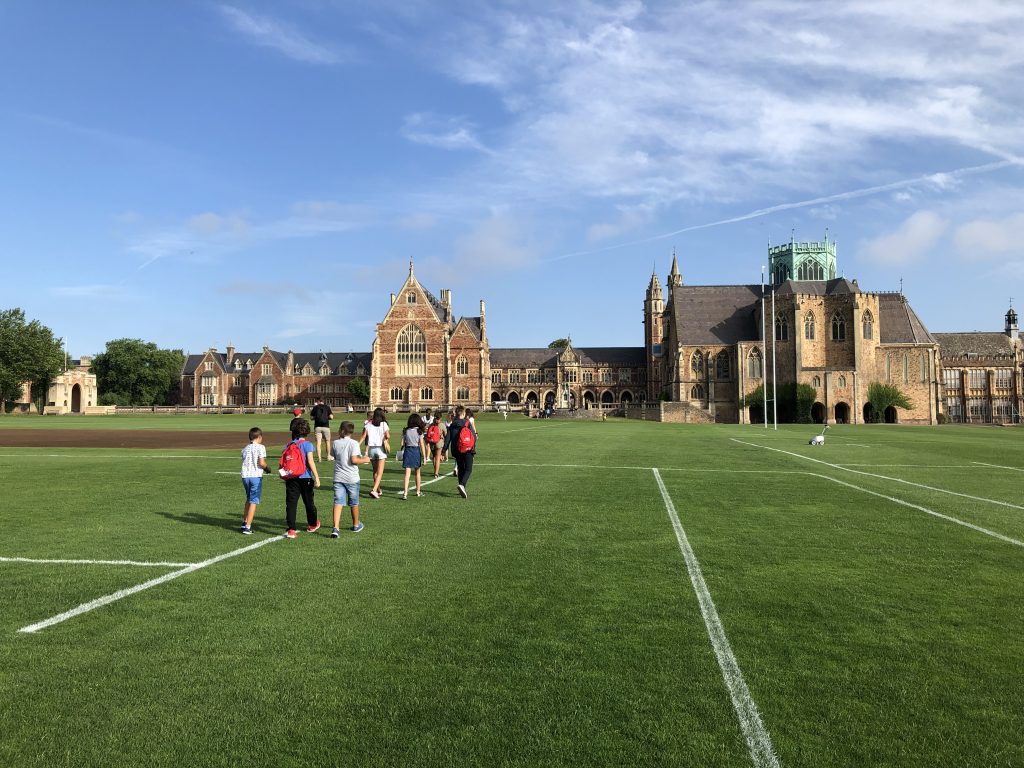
(462, 440)
(298, 470)
(435, 441)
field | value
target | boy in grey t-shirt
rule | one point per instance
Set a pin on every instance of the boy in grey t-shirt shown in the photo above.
(347, 459)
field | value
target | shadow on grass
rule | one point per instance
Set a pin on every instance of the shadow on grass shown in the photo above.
(233, 523)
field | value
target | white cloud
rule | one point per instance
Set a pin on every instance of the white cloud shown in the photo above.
(441, 132)
(213, 223)
(286, 39)
(911, 240)
(497, 243)
(984, 238)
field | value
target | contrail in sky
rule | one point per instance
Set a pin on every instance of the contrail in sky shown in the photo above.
(854, 193)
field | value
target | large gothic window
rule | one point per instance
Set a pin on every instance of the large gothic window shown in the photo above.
(412, 352)
(809, 326)
(781, 328)
(810, 270)
(697, 363)
(838, 327)
(462, 366)
(754, 367)
(722, 365)
(781, 274)
(869, 324)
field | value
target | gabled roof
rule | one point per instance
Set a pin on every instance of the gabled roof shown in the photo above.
(523, 357)
(835, 287)
(474, 326)
(976, 343)
(715, 314)
(898, 323)
(347, 362)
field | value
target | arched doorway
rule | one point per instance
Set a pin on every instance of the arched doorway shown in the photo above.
(495, 397)
(869, 413)
(513, 398)
(588, 399)
(549, 399)
(531, 398)
(842, 413)
(626, 398)
(76, 398)
(891, 417)
(818, 413)
(607, 398)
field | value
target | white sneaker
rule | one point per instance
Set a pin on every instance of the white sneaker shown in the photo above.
(403, 496)
(462, 492)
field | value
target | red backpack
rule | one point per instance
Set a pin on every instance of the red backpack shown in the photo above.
(293, 461)
(434, 433)
(466, 441)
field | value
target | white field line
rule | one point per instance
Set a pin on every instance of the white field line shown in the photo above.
(645, 469)
(92, 562)
(916, 466)
(998, 466)
(121, 456)
(758, 741)
(123, 593)
(918, 507)
(883, 477)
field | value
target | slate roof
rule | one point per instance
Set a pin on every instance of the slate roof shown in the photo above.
(980, 343)
(341, 363)
(899, 324)
(716, 314)
(836, 287)
(542, 357)
(473, 323)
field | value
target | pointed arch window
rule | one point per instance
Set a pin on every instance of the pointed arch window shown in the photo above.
(411, 352)
(868, 322)
(396, 393)
(754, 364)
(781, 328)
(697, 363)
(427, 393)
(842, 380)
(810, 270)
(722, 368)
(809, 326)
(697, 392)
(838, 327)
(462, 393)
(816, 382)
(462, 366)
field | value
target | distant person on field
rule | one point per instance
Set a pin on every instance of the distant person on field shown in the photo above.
(376, 435)
(254, 464)
(303, 485)
(463, 459)
(471, 419)
(413, 451)
(435, 440)
(346, 476)
(322, 415)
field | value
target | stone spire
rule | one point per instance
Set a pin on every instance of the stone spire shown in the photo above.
(654, 287)
(674, 276)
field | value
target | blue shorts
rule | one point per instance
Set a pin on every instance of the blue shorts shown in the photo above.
(253, 488)
(346, 494)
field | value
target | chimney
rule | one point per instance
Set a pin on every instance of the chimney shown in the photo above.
(231, 353)
(290, 365)
(483, 320)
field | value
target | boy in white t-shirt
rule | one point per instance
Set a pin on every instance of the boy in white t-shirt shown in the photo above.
(346, 476)
(254, 464)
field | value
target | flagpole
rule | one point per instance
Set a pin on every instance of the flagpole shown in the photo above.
(775, 381)
(764, 336)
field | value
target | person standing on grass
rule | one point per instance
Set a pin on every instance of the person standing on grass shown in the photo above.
(302, 485)
(435, 441)
(463, 458)
(376, 435)
(322, 415)
(254, 464)
(346, 476)
(413, 452)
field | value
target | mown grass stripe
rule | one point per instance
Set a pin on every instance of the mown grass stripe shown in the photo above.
(92, 562)
(758, 741)
(123, 593)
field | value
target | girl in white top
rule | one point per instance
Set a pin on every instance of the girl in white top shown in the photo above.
(376, 436)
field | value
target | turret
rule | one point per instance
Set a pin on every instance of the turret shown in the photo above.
(1011, 324)
(675, 278)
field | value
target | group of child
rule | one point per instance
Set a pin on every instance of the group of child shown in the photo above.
(432, 437)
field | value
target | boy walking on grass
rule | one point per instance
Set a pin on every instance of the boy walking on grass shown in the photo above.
(254, 464)
(346, 476)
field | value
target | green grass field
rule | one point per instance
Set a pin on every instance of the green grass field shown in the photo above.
(870, 595)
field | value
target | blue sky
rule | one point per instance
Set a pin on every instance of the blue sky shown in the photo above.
(199, 173)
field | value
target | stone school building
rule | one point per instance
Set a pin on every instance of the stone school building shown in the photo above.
(705, 347)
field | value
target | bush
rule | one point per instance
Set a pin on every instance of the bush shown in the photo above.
(942, 418)
(882, 396)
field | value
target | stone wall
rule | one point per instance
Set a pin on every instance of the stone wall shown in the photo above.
(674, 413)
